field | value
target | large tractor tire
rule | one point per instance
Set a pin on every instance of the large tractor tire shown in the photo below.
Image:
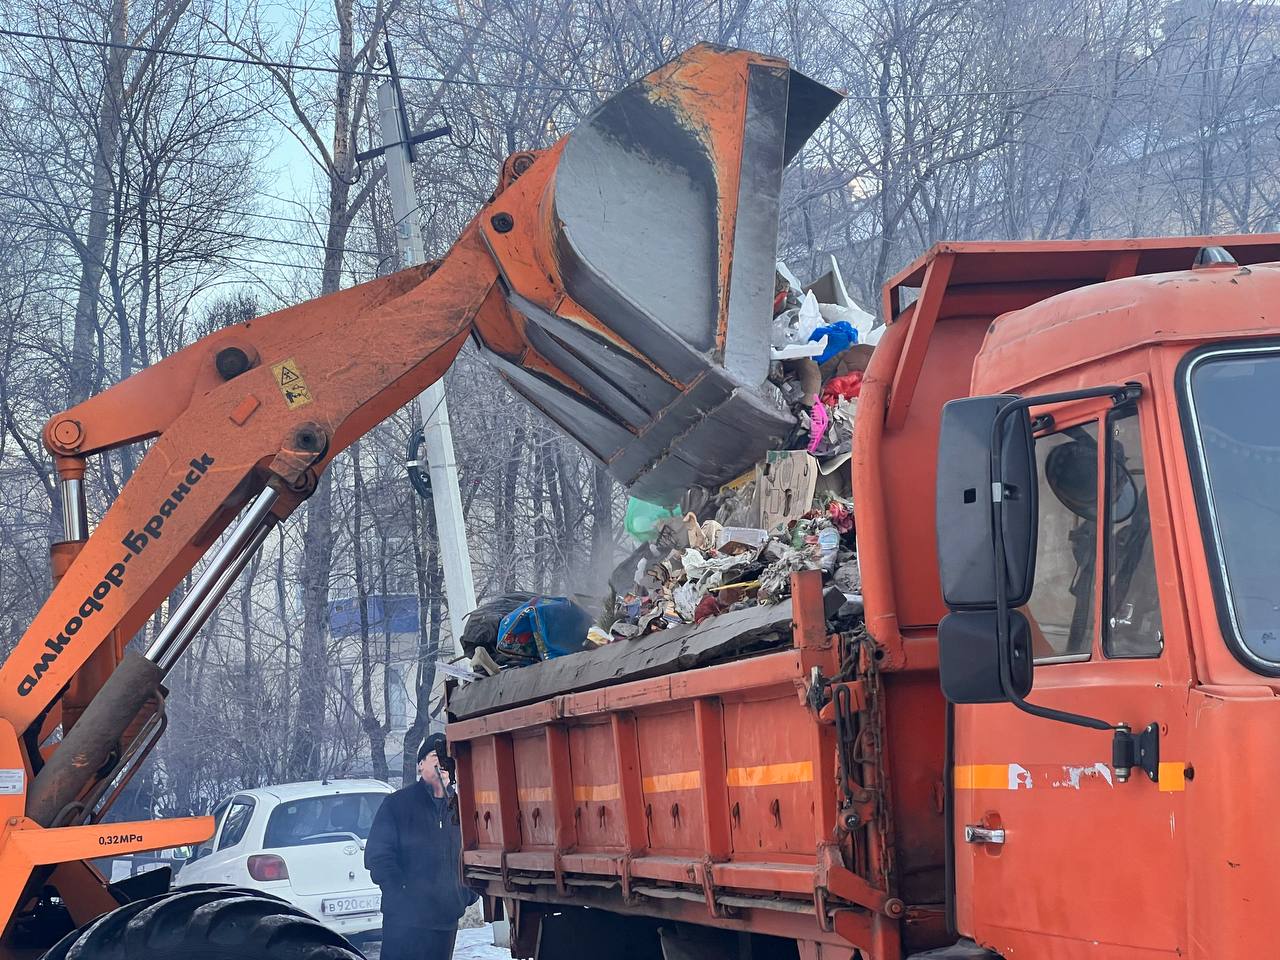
(205, 923)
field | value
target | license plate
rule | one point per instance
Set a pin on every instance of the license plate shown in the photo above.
(340, 906)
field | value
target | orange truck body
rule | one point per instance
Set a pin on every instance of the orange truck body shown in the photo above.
(821, 793)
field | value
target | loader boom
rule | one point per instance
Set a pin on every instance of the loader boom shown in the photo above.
(217, 451)
(640, 342)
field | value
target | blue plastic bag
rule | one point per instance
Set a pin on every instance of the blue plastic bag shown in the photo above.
(543, 628)
(840, 335)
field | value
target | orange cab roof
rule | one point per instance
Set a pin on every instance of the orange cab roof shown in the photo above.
(1054, 313)
(1102, 320)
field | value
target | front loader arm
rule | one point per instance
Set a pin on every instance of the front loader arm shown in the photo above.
(321, 374)
(620, 281)
(244, 421)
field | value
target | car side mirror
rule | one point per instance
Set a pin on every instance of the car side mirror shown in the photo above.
(986, 518)
(972, 479)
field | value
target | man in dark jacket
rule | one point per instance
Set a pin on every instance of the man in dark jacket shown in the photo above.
(413, 854)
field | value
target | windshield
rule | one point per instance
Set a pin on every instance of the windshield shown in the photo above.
(1234, 397)
(326, 819)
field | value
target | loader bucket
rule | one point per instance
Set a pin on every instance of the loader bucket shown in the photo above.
(656, 242)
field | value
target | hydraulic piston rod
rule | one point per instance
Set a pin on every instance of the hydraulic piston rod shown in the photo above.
(75, 519)
(214, 582)
(92, 744)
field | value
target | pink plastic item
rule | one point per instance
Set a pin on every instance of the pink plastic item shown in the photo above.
(818, 422)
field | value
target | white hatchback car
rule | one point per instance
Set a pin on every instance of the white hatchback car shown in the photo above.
(303, 842)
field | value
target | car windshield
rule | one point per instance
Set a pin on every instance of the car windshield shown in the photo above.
(1235, 393)
(326, 819)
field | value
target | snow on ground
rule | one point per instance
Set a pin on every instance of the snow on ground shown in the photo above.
(473, 943)
(477, 944)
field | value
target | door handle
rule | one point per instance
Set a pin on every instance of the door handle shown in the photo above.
(981, 834)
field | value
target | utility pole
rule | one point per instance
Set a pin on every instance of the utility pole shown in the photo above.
(397, 150)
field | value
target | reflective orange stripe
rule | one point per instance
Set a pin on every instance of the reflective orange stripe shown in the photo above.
(1172, 777)
(534, 794)
(771, 773)
(666, 782)
(981, 776)
(487, 796)
(596, 793)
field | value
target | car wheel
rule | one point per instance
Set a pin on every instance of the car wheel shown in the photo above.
(205, 923)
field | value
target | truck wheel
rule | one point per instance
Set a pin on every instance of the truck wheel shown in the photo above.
(211, 923)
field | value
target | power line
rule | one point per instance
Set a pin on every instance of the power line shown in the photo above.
(866, 98)
(213, 230)
(230, 258)
(64, 92)
(281, 65)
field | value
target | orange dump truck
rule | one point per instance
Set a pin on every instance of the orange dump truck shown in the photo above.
(909, 788)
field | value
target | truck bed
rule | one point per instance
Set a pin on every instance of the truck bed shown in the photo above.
(703, 789)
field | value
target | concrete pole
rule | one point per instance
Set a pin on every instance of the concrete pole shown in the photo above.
(442, 463)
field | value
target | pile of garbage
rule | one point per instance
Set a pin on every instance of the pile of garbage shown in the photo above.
(691, 570)
(820, 345)
(738, 546)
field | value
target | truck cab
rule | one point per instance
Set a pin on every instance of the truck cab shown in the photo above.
(1152, 604)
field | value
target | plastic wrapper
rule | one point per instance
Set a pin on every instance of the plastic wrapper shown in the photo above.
(796, 325)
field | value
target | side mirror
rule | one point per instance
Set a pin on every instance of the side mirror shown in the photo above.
(965, 512)
(973, 667)
(969, 656)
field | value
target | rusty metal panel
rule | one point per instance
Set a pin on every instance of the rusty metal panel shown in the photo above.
(484, 791)
(992, 262)
(671, 780)
(597, 795)
(664, 759)
(533, 790)
(770, 777)
(944, 375)
(915, 720)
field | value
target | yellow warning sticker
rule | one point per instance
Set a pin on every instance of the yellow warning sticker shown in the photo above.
(292, 386)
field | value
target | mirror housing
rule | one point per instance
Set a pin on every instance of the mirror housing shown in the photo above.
(965, 513)
(969, 656)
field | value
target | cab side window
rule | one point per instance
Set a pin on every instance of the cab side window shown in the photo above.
(1061, 608)
(1131, 625)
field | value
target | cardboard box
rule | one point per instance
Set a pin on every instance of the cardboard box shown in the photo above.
(784, 491)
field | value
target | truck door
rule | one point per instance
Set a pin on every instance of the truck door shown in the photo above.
(1056, 857)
